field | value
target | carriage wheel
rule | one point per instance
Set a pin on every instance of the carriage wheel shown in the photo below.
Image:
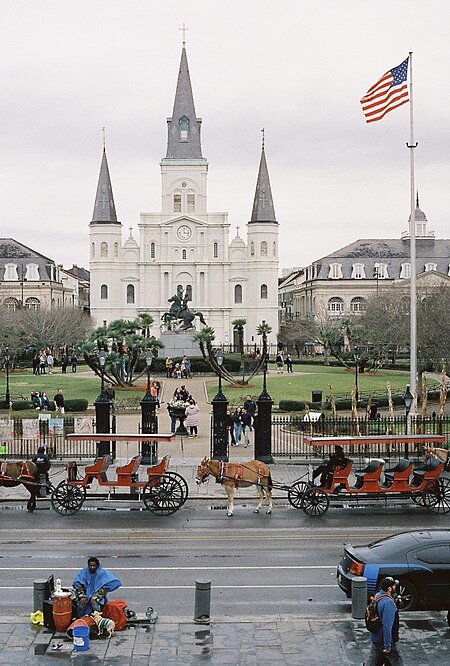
(436, 496)
(164, 497)
(315, 502)
(183, 483)
(67, 499)
(296, 492)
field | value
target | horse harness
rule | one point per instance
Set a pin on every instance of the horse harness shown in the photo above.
(24, 471)
(224, 473)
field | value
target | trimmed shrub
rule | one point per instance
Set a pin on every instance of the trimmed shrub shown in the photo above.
(76, 405)
(343, 404)
(21, 405)
(291, 405)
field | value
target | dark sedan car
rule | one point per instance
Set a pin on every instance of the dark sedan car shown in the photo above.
(420, 560)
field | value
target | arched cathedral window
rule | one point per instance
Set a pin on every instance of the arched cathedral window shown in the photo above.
(263, 249)
(152, 251)
(130, 293)
(116, 249)
(215, 250)
(104, 292)
(184, 128)
(183, 256)
(263, 291)
(238, 293)
(104, 250)
(252, 249)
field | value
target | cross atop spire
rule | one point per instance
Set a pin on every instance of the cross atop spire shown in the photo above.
(262, 131)
(183, 30)
(104, 137)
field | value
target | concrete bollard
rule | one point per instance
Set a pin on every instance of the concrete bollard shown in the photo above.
(202, 601)
(359, 597)
(40, 594)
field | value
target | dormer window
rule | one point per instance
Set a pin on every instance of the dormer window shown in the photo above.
(358, 272)
(430, 267)
(32, 272)
(184, 128)
(405, 271)
(380, 271)
(10, 272)
(335, 272)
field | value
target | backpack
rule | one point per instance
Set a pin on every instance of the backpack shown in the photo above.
(372, 618)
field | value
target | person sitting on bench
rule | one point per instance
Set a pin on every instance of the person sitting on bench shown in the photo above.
(337, 461)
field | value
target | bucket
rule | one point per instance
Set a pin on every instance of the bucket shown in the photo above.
(81, 638)
(62, 612)
(85, 621)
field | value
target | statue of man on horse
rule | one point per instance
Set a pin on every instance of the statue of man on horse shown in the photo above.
(179, 311)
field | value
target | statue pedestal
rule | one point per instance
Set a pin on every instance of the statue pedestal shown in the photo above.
(178, 344)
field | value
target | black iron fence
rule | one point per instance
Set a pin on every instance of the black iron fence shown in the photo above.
(21, 446)
(288, 432)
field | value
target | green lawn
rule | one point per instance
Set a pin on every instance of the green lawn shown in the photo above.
(73, 385)
(300, 384)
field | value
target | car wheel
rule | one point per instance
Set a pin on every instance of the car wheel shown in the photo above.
(406, 596)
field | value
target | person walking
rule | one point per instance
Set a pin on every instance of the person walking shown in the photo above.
(246, 421)
(169, 367)
(36, 364)
(59, 402)
(230, 427)
(42, 362)
(384, 648)
(74, 362)
(289, 363)
(237, 425)
(280, 363)
(50, 363)
(191, 421)
(64, 362)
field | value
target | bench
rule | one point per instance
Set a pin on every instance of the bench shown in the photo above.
(367, 478)
(430, 470)
(399, 475)
(340, 476)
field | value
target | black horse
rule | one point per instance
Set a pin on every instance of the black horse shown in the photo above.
(179, 311)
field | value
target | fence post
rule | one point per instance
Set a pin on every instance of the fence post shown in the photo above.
(359, 597)
(102, 423)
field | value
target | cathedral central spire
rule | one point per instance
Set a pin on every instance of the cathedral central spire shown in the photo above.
(183, 127)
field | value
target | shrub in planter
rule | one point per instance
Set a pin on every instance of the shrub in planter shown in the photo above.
(291, 405)
(76, 405)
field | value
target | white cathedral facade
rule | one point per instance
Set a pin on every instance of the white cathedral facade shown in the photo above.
(184, 247)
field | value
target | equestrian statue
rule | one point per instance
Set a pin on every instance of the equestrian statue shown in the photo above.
(179, 311)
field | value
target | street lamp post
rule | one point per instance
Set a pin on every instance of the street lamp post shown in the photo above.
(7, 356)
(408, 399)
(263, 422)
(219, 425)
(102, 410)
(356, 358)
(149, 419)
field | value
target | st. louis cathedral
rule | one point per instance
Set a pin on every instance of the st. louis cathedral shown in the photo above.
(184, 248)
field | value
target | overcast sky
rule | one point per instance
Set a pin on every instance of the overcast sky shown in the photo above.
(295, 67)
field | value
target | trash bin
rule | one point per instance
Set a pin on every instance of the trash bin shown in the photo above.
(316, 396)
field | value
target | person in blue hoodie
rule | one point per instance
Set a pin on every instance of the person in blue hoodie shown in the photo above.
(384, 647)
(91, 586)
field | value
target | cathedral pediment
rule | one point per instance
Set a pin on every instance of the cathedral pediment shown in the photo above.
(184, 219)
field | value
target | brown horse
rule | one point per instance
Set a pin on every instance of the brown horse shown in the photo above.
(238, 475)
(25, 472)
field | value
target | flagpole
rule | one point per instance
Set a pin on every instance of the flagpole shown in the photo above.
(413, 304)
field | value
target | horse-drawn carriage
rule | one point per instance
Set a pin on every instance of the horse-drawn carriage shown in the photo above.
(421, 483)
(162, 491)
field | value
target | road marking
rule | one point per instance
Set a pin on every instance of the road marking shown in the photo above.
(240, 568)
(190, 587)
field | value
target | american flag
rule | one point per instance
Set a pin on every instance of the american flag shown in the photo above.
(387, 94)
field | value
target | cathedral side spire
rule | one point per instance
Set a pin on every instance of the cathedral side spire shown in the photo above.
(263, 208)
(104, 208)
(184, 127)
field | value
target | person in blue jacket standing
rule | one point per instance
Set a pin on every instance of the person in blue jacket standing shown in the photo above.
(384, 647)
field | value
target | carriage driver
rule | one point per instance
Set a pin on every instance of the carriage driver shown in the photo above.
(42, 462)
(91, 586)
(337, 461)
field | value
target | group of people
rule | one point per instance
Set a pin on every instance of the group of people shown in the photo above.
(240, 422)
(182, 370)
(280, 361)
(41, 402)
(44, 361)
(182, 396)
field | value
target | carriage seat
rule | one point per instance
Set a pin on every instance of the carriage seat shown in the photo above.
(430, 470)
(160, 468)
(126, 472)
(97, 470)
(340, 476)
(401, 472)
(370, 474)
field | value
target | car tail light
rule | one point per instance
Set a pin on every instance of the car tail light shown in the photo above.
(356, 568)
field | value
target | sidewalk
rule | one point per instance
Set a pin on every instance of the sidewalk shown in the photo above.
(264, 641)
